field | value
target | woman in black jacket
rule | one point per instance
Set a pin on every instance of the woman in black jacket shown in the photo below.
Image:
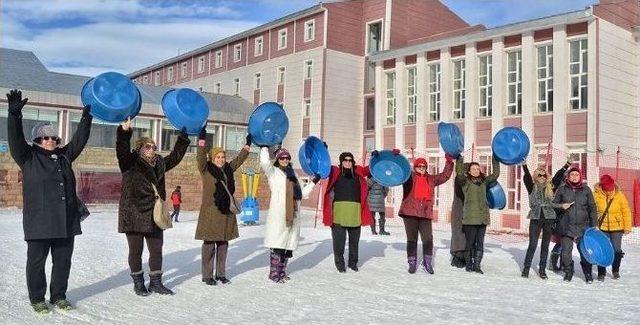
(143, 173)
(580, 215)
(51, 208)
(542, 214)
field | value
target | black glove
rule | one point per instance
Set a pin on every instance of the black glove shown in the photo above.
(248, 140)
(183, 132)
(325, 145)
(203, 133)
(16, 103)
(86, 111)
(374, 153)
(316, 178)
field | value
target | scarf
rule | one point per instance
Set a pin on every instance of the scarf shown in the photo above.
(422, 188)
(224, 174)
(574, 186)
(293, 194)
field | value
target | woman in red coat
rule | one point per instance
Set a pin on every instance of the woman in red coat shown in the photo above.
(416, 211)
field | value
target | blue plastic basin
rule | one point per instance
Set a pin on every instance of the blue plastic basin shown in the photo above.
(511, 146)
(113, 97)
(451, 139)
(187, 108)
(389, 169)
(314, 157)
(496, 197)
(596, 247)
(268, 124)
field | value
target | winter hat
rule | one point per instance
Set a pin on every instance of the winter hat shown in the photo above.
(44, 130)
(282, 152)
(344, 155)
(574, 169)
(419, 161)
(214, 151)
(607, 183)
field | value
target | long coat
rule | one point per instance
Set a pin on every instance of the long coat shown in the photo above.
(50, 204)
(618, 216)
(214, 225)
(420, 208)
(581, 214)
(377, 194)
(476, 208)
(277, 234)
(137, 197)
(327, 203)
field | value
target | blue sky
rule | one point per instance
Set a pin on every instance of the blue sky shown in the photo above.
(88, 37)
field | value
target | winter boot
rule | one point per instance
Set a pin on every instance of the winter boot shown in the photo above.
(568, 272)
(525, 272)
(283, 270)
(155, 284)
(427, 264)
(353, 267)
(274, 267)
(554, 261)
(602, 273)
(413, 264)
(210, 281)
(222, 279)
(587, 270)
(63, 304)
(543, 274)
(382, 231)
(476, 262)
(468, 259)
(615, 268)
(40, 307)
(138, 284)
(373, 227)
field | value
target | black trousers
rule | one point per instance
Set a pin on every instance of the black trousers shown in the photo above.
(567, 257)
(339, 236)
(616, 241)
(37, 253)
(414, 226)
(535, 227)
(474, 234)
(154, 246)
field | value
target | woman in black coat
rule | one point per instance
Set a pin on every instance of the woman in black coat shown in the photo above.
(51, 209)
(142, 170)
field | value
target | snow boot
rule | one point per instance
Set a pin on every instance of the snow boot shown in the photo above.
(222, 279)
(40, 307)
(568, 272)
(283, 270)
(210, 281)
(554, 260)
(274, 266)
(525, 272)
(543, 274)
(155, 284)
(413, 264)
(615, 268)
(468, 259)
(602, 273)
(353, 266)
(587, 270)
(373, 227)
(138, 284)
(476, 262)
(63, 304)
(382, 231)
(427, 264)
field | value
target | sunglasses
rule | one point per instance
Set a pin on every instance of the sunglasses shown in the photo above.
(542, 175)
(348, 159)
(284, 158)
(50, 138)
(149, 146)
(421, 166)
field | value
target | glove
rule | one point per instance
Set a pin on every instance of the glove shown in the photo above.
(316, 178)
(395, 152)
(16, 103)
(86, 111)
(248, 140)
(203, 133)
(183, 132)
(325, 145)
(374, 153)
(449, 158)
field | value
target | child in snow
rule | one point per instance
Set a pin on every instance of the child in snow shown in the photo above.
(375, 198)
(176, 200)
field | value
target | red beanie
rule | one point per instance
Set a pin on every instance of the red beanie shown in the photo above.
(607, 183)
(419, 161)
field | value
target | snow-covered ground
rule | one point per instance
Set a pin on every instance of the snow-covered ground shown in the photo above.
(381, 293)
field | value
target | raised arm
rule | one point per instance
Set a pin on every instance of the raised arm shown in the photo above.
(126, 158)
(558, 177)
(179, 149)
(18, 146)
(496, 171)
(201, 151)
(461, 178)
(527, 179)
(80, 138)
(265, 162)
(242, 155)
(446, 172)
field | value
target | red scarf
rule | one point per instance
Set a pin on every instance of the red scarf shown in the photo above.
(421, 187)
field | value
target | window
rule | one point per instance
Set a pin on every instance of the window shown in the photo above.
(183, 70)
(103, 134)
(374, 37)
(391, 99)
(256, 85)
(459, 90)
(218, 62)
(434, 92)
(411, 95)
(156, 81)
(306, 108)
(514, 187)
(235, 138)
(309, 30)
(170, 74)
(237, 52)
(514, 83)
(30, 118)
(236, 87)
(308, 69)
(370, 114)
(578, 74)
(145, 80)
(485, 82)
(170, 135)
(257, 46)
(370, 76)
(281, 75)
(580, 158)
(282, 39)
(201, 64)
(545, 78)
(218, 87)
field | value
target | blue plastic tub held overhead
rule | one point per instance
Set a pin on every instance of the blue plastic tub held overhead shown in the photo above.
(186, 108)
(451, 139)
(314, 157)
(389, 169)
(511, 145)
(113, 97)
(268, 124)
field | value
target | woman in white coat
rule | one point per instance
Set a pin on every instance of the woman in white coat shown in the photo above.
(283, 220)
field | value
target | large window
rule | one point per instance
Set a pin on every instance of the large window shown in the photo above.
(545, 78)
(391, 99)
(370, 113)
(434, 92)
(103, 134)
(485, 82)
(170, 135)
(374, 37)
(459, 90)
(514, 83)
(412, 97)
(578, 74)
(30, 118)
(514, 187)
(309, 30)
(235, 138)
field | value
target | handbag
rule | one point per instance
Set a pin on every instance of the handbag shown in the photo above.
(160, 212)
(233, 205)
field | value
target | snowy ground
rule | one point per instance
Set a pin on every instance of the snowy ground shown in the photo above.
(381, 293)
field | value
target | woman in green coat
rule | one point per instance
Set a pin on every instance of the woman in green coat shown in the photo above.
(475, 213)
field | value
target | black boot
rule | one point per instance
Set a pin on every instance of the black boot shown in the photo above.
(155, 285)
(138, 284)
(554, 262)
(477, 260)
(382, 223)
(587, 270)
(373, 227)
(525, 272)
(602, 273)
(615, 268)
(568, 272)
(543, 274)
(468, 260)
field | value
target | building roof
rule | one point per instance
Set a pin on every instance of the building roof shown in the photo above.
(510, 29)
(230, 39)
(23, 70)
